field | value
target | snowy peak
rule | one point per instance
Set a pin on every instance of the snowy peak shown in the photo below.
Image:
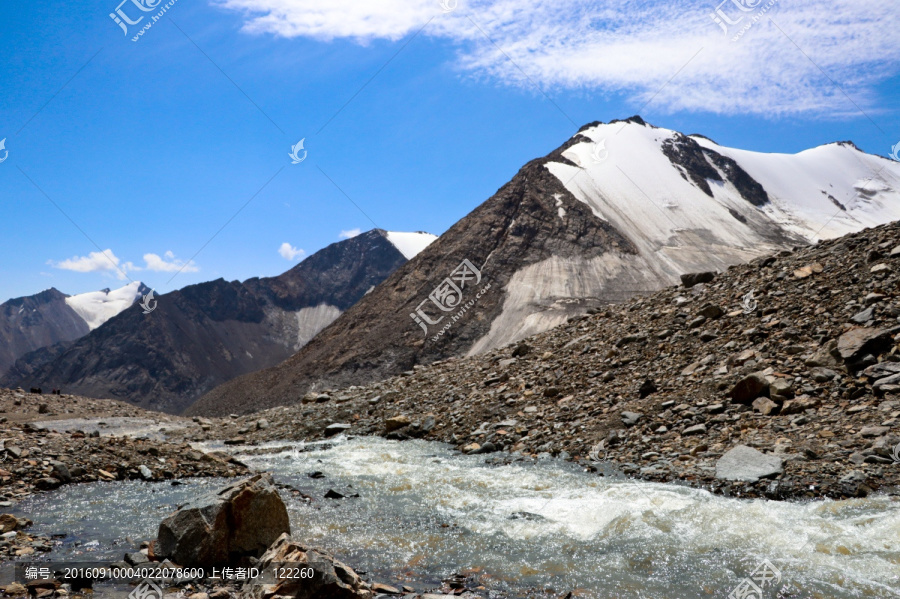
(410, 244)
(96, 307)
(630, 172)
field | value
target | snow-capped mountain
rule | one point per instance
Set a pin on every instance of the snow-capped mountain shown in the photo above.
(206, 334)
(620, 209)
(51, 317)
(97, 307)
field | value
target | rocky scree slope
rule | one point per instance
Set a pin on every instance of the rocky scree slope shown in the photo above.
(807, 373)
(619, 210)
(206, 334)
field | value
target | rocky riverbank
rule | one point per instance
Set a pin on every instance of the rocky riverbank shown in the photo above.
(796, 356)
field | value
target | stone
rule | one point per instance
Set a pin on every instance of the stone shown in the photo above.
(874, 431)
(396, 423)
(136, 558)
(240, 520)
(822, 375)
(864, 316)
(808, 270)
(8, 523)
(781, 387)
(14, 589)
(691, 279)
(48, 483)
(386, 589)
(707, 336)
(749, 388)
(647, 387)
(61, 472)
(631, 418)
(746, 464)
(262, 424)
(880, 268)
(711, 311)
(336, 429)
(521, 350)
(798, 406)
(826, 356)
(856, 343)
(764, 405)
(146, 473)
(331, 578)
(697, 429)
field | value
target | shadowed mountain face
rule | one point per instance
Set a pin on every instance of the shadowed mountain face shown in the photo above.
(620, 209)
(34, 322)
(206, 334)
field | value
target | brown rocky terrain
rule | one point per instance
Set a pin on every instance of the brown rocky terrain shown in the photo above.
(796, 355)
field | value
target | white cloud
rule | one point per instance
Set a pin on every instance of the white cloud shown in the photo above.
(634, 48)
(349, 234)
(289, 252)
(105, 261)
(157, 264)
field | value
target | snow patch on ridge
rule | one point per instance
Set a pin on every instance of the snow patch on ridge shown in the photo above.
(96, 307)
(410, 244)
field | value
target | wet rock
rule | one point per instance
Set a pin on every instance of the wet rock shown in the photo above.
(336, 429)
(331, 579)
(746, 464)
(395, 423)
(240, 520)
(61, 472)
(136, 558)
(8, 523)
(691, 279)
(48, 483)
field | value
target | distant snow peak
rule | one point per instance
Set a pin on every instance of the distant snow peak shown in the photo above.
(96, 307)
(410, 244)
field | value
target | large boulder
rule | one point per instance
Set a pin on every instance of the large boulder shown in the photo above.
(330, 578)
(747, 464)
(856, 343)
(695, 278)
(220, 528)
(749, 388)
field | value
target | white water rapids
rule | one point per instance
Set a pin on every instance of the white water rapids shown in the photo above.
(425, 512)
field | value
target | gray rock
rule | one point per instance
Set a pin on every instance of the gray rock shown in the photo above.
(746, 464)
(711, 311)
(136, 558)
(262, 424)
(864, 316)
(146, 473)
(336, 429)
(874, 431)
(697, 429)
(631, 418)
(781, 387)
(61, 472)
(856, 343)
(691, 279)
(822, 375)
(241, 520)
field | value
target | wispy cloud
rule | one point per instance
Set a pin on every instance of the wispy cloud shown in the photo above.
(633, 48)
(105, 261)
(289, 252)
(349, 234)
(169, 264)
(108, 262)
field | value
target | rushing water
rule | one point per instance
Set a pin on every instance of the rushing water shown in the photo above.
(425, 512)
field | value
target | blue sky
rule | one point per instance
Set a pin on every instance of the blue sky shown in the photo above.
(149, 148)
